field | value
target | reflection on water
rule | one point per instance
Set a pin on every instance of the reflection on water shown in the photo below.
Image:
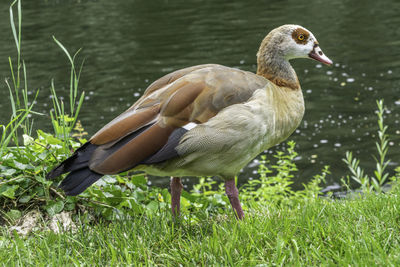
(128, 44)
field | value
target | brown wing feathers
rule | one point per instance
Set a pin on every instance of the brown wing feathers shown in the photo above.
(115, 159)
(145, 109)
(124, 124)
(132, 153)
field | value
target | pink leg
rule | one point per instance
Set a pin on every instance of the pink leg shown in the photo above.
(233, 195)
(176, 189)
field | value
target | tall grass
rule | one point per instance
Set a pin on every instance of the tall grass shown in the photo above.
(21, 105)
(63, 123)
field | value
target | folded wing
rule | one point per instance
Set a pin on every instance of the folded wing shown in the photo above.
(195, 97)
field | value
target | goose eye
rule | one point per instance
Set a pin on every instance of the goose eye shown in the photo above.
(300, 37)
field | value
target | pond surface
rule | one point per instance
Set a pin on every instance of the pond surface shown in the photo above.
(129, 44)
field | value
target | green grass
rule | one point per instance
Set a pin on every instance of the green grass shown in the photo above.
(360, 232)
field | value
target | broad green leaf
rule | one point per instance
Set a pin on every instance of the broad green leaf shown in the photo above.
(139, 195)
(69, 206)
(25, 199)
(50, 139)
(8, 190)
(21, 166)
(109, 179)
(27, 139)
(42, 180)
(8, 172)
(54, 207)
(139, 180)
(152, 206)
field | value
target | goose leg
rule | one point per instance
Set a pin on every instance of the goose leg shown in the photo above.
(233, 195)
(176, 189)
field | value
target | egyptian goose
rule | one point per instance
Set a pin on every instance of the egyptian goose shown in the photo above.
(205, 120)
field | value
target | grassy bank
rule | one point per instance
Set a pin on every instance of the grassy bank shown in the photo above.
(363, 231)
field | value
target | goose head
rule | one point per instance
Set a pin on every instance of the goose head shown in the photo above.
(292, 41)
(283, 44)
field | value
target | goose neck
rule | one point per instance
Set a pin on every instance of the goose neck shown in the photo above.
(272, 65)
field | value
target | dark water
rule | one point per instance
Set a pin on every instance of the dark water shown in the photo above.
(128, 44)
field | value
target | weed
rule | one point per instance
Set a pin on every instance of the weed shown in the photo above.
(380, 177)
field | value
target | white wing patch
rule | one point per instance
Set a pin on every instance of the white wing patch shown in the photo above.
(190, 126)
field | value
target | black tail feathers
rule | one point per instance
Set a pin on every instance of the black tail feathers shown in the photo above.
(80, 177)
(77, 181)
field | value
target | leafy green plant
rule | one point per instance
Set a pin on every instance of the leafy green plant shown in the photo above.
(23, 185)
(22, 180)
(206, 196)
(381, 176)
(274, 184)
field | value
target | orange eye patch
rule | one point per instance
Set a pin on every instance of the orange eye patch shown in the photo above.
(300, 36)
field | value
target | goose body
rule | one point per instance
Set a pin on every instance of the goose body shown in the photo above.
(203, 120)
(248, 123)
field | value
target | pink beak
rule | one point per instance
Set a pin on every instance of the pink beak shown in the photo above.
(318, 55)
